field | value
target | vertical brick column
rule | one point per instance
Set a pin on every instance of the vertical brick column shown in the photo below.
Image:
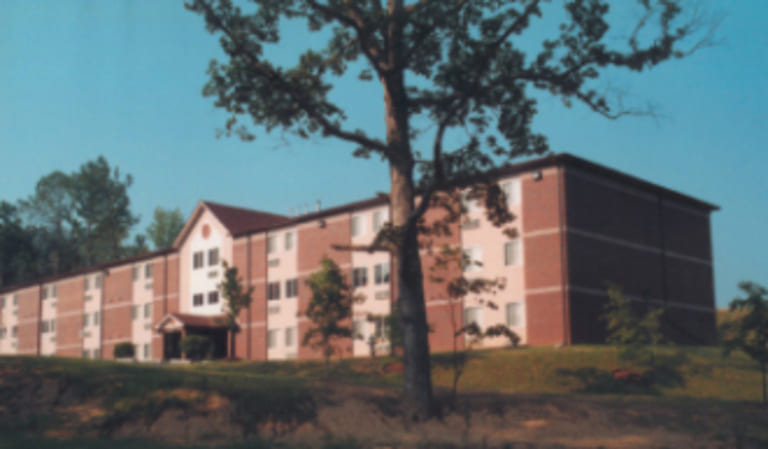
(69, 317)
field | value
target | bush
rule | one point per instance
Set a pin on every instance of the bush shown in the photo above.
(196, 347)
(124, 350)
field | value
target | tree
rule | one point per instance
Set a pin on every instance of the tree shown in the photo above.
(165, 226)
(236, 299)
(629, 330)
(329, 309)
(749, 332)
(17, 249)
(459, 72)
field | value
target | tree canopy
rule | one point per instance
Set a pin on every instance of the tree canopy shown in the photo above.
(462, 72)
(166, 225)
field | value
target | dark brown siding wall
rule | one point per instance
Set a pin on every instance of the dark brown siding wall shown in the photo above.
(618, 234)
(69, 317)
(29, 320)
(314, 242)
(543, 252)
(117, 324)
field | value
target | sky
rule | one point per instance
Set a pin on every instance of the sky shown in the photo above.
(123, 79)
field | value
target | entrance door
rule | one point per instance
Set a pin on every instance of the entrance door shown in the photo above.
(172, 345)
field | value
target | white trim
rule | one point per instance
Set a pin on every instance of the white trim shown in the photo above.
(543, 232)
(542, 290)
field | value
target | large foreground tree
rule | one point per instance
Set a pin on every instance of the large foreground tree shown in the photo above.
(442, 66)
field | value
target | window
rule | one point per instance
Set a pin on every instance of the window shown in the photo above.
(135, 274)
(95, 318)
(54, 292)
(86, 284)
(272, 338)
(197, 260)
(213, 257)
(290, 337)
(378, 221)
(43, 327)
(473, 259)
(512, 253)
(135, 312)
(358, 329)
(148, 271)
(53, 326)
(97, 281)
(146, 351)
(356, 225)
(271, 244)
(197, 299)
(85, 320)
(381, 329)
(2, 332)
(273, 290)
(473, 315)
(97, 353)
(469, 204)
(511, 190)
(15, 300)
(44, 293)
(148, 310)
(291, 288)
(288, 241)
(14, 332)
(85, 353)
(514, 317)
(2, 302)
(359, 276)
(381, 273)
(213, 297)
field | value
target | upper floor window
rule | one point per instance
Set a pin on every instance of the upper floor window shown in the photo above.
(291, 288)
(288, 241)
(271, 244)
(356, 225)
(97, 281)
(213, 297)
(86, 283)
(135, 273)
(15, 299)
(44, 293)
(381, 273)
(273, 290)
(378, 220)
(148, 271)
(359, 276)
(54, 291)
(512, 252)
(85, 319)
(511, 191)
(2, 302)
(197, 260)
(148, 310)
(473, 259)
(14, 332)
(197, 299)
(213, 257)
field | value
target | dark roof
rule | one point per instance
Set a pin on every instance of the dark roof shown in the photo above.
(214, 322)
(238, 220)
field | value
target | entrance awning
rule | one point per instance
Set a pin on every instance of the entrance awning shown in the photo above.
(173, 322)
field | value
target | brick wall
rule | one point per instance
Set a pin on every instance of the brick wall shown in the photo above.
(29, 320)
(69, 318)
(117, 301)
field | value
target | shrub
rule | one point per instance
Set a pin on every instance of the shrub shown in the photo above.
(196, 347)
(124, 350)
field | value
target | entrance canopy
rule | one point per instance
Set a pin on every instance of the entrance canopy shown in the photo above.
(175, 322)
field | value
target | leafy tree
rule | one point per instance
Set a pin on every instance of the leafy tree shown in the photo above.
(124, 350)
(236, 299)
(17, 249)
(459, 73)
(749, 332)
(165, 226)
(329, 308)
(630, 331)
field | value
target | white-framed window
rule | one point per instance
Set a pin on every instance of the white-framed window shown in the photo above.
(512, 253)
(358, 329)
(213, 297)
(380, 327)
(86, 283)
(96, 318)
(473, 259)
(44, 293)
(15, 299)
(273, 290)
(272, 336)
(3, 332)
(54, 291)
(135, 273)
(213, 257)
(197, 260)
(2, 302)
(85, 320)
(288, 240)
(44, 327)
(148, 271)
(357, 224)
(14, 331)
(271, 244)
(514, 313)
(146, 351)
(381, 273)
(97, 281)
(290, 337)
(291, 288)
(148, 310)
(378, 220)
(135, 313)
(359, 276)
(511, 190)
(470, 205)
(197, 299)
(473, 315)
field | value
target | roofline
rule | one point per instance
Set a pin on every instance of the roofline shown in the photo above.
(90, 269)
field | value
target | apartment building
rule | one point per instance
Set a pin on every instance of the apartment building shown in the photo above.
(578, 227)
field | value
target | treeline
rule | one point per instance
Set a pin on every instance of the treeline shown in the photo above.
(75, 220)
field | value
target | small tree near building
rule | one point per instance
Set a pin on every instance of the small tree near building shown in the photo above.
(236, 298)
(632, 333)
(329, 308)
(749, 332)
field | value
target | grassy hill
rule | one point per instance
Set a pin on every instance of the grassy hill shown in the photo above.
(532, 395)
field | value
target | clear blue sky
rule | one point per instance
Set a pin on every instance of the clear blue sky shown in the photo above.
(123, 79)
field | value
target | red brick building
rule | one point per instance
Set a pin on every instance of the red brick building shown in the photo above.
(579, 226)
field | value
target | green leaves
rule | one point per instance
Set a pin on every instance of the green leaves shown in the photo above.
(165, 226)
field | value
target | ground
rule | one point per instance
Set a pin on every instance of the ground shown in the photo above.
(515, 398)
